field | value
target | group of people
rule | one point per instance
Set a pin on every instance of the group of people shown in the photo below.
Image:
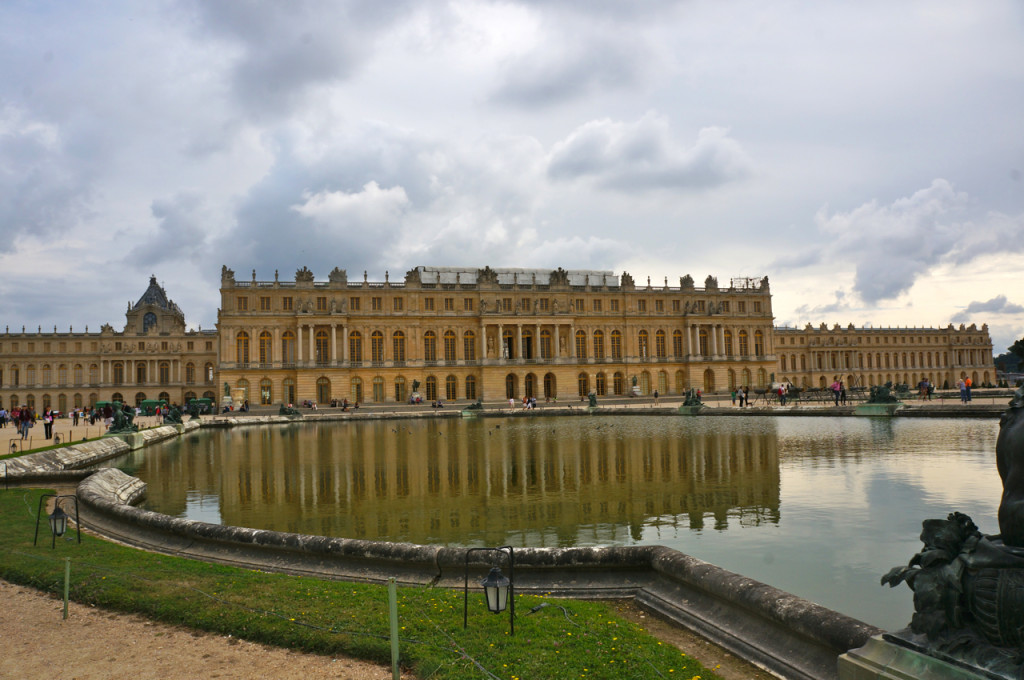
(24, 419)
(838, 392)
(528, 402)
(743, 394)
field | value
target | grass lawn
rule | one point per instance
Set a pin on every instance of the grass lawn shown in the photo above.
(561, 639)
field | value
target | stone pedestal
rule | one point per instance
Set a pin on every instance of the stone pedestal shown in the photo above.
(133, 439)
(881, 659)
(690, 410)
(877, 409)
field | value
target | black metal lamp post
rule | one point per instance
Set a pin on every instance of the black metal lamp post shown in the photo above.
(499, 590)
(58, 519)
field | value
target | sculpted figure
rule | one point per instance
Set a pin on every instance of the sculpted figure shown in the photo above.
(1010, 463)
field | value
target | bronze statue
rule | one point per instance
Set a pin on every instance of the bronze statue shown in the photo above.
(193, 410)
(122, 419)
(172, 416)
(288, 411)
(969, 587)
(593, 399)
(692, 398)
(882, 394)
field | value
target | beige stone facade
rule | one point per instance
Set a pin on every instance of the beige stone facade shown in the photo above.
(154, 357)
(489, 334)
(861, 357)
(467, 334)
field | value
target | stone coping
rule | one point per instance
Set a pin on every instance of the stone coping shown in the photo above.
(789, 636)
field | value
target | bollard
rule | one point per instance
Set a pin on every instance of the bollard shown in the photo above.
(396, 674)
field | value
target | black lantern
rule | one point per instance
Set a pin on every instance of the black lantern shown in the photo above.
(498, 589)
(58, 519)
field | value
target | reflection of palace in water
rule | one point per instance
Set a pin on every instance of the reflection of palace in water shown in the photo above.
(536, 482)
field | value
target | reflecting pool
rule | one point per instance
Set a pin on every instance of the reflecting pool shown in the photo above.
(820, 507)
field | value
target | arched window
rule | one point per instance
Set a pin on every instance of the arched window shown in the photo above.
(322, 347)
(677, 343)
(208, 373)
(430, 347)
(47, 375)
(118, 373)
(616, 345)
(288, 391)
(709, 380)
(355, 349)
(139, 398)
(77, 375)
(550, 386)
(449, 347)
(357, 390)
(782, 362)
(77, 400)
(599, 344)
(732, 379)
(242, 347)
(758, 343)
(190, 373)
(116, 396)
(744, 344)
(511, 386)
(600, 385)
(583, 384)
(746, 377)
(643, 344)
(30, 375)
(400, 394)
(529, 348)
(762, 377)
(47, 403)
(508, 343)
(148, 321)
(266, 348)
(164, 371)
(471, 387)
(62, 377)
(398, 347)
(618, 384)
(189, 397)
(702, 340)
(528, 385)
(659, 344)
(378, 388)
(469, 346)
(266, 392)
(662, 382)
(288, 348)
(431, 384)
(680, 382)
(377, 352)
(728, 343)
(140, 372)
(323, 390)
(581, 345)
(451, 386)
(243, 384)
(94, 374)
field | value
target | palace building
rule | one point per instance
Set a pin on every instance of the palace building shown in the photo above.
(154, 357)
(467, 334)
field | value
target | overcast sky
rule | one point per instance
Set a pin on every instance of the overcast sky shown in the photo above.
(868, 157)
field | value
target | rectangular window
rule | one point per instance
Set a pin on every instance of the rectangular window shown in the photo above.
(641, 305)
(579, 305)
(63, 347)
(46, 347)
(614, 305)
(377, 303)
(142, 346)
(117, 346)
(597, 305)
(242, 304)
(286, 303)
(209, 346)
(676, 305)
(163, 346)
(264, 303)
(321, 304)
(396, 304)
(725, 307)
(189, 345)
(659, 305)
(757, 306)
(700, 305)
(31, 347)
(78, 347)
(545, 304)
(14, 347)
(428, 304)
(449, 304)
(467, 304)
(741, 307)
(353, 304)
(506, 304)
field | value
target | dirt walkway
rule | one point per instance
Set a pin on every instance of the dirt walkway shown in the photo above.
(95, 644)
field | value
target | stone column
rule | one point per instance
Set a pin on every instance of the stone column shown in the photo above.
(500, 353)
(298, 343)
(312, 352)
(572, 340)
(344, 343)
(519, 341)
(334, 342)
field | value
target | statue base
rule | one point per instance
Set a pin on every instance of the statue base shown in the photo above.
(469, 413)
(885, 410)
(690, 410)
(881, 659)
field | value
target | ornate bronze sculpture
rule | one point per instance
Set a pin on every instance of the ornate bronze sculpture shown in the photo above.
(173, 416)
(122, 420)
(692, 398)
(969, 587)
(288, 411)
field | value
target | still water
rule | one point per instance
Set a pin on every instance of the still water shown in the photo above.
(820, 507)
